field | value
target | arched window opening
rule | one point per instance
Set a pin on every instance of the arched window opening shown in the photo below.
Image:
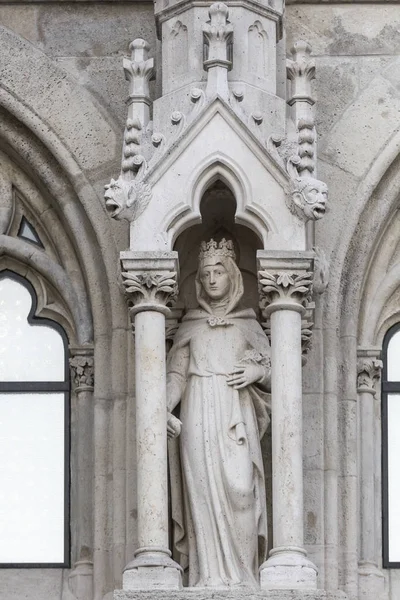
(34, 431)
(391, 448)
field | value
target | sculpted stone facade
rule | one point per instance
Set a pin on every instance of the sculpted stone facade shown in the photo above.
(225, 420)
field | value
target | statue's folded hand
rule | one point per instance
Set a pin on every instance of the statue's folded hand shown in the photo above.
(174, 426)
(244, 375)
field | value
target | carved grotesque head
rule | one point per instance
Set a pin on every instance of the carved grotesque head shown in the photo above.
(308, 198)
(126, 199)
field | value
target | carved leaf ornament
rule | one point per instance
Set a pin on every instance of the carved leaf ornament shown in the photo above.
(83, 370)
(286, 284)
(368, 373)
(150, 287)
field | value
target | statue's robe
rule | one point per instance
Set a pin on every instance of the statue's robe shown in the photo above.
(217, 476)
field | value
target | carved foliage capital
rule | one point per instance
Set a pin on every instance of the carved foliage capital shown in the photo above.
(289, 287)
(368, 373)
(82, 367)
(151, 290)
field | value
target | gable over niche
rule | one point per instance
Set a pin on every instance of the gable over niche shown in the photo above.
(181, 177)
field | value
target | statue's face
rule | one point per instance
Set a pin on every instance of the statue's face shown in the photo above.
(215, 280)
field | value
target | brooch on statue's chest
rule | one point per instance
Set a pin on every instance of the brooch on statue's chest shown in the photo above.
(218, 322)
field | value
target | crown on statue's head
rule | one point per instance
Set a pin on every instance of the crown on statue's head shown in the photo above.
(212, 249)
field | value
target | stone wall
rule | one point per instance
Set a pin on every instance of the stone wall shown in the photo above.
(356, 49)
(62, 110)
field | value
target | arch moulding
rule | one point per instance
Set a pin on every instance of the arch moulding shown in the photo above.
(219, 167)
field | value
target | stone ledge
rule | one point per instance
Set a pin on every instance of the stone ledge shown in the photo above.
(210, 594)
(327, 2)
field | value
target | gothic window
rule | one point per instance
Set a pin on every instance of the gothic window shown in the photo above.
(34, 426)
(391, 447)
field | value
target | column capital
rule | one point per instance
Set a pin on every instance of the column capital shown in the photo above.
(150, 280)
(285, 281)
(368, 373)
(82, 367)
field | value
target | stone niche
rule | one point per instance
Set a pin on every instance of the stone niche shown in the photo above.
(218, 207)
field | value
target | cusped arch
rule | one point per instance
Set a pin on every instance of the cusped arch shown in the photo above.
(59, 178)
(57, 298)
(219, 167)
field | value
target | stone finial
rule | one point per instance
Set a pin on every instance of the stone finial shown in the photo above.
(138, 71)
(301, 71)
(368, 374)
(217, 35)
(128, 196)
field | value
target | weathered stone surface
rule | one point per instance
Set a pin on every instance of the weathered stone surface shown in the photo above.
(35, 584)
(203, 594)
(347, 30)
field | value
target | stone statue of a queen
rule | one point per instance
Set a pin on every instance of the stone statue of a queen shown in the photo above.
(219, 372)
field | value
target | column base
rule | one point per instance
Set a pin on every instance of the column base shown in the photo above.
(152, 569)
(371, 581)
(80, 580)
(288, 568)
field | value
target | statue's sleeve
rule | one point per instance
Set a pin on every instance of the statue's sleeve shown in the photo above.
(177, 368)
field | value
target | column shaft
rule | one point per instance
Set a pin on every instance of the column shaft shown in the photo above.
(151, 430)
(367, 496)
(80, 579)
(287, 566)
(286, 391)
(370, 579)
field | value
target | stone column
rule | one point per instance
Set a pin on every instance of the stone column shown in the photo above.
(370, 578)
(150, 281)
(80, 580)
(285, 288)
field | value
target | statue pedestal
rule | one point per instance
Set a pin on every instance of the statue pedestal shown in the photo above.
(233, 594)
